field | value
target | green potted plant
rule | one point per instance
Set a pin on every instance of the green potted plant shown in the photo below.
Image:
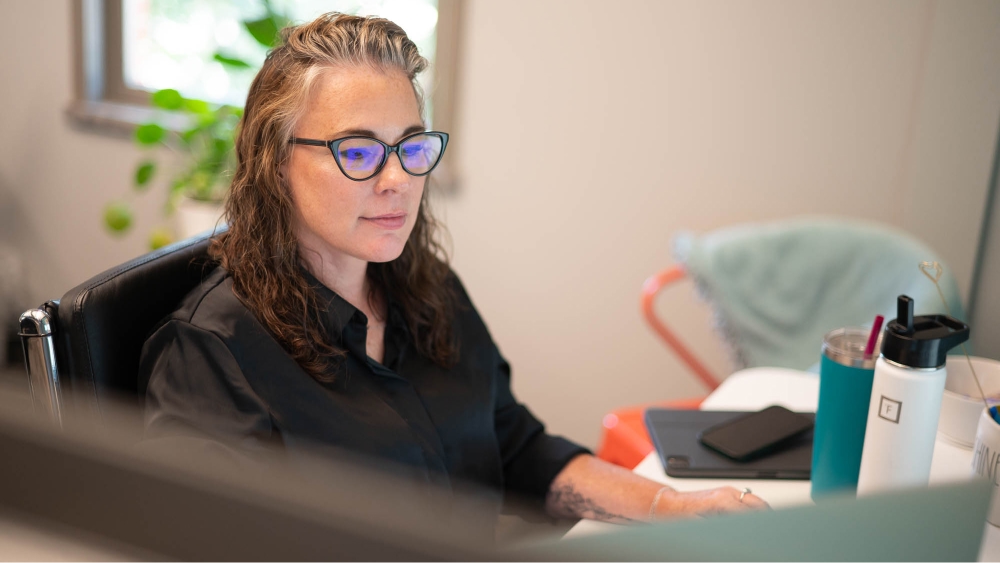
(197, 185)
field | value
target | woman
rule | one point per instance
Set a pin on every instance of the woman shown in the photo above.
(334, 318)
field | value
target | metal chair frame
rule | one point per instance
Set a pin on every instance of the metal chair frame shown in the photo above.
(650, 288)
(36, 334)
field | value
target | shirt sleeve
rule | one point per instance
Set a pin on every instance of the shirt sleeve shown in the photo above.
(194, 387)
(531, 458)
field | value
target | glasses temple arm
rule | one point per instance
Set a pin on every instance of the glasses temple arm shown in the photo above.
(313, 142)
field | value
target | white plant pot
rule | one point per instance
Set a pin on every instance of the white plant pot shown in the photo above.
(194, 217)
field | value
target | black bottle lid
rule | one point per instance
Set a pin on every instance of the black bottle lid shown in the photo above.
(921, 342)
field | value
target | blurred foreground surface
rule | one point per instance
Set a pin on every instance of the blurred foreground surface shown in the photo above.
(92, 491)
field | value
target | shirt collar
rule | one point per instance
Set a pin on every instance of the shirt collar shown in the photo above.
(339, 314)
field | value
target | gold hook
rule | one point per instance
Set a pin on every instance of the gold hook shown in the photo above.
(926, 268)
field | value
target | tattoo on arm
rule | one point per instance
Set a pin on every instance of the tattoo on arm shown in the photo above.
(564, 500)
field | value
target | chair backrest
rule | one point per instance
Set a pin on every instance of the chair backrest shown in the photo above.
(101, 324)
(777, 288)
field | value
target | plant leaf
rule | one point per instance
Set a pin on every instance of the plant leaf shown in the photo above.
(280, 22)
(201, 183)
(179, 184)
(207, 119)
(188, 136)
(144, 173)
(196, 106)
(264, 30)
(231, 61)
(159, 238)
(168, 99)
(118, 217)
(149, 134)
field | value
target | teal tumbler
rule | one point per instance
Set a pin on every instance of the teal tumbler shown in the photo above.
(845, 387)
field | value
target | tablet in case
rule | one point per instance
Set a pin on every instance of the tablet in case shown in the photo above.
(675, 435)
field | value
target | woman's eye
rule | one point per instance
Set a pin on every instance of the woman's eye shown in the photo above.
(358, 156)
(414, 149)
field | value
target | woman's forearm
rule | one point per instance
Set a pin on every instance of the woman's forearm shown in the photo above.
(592, 488)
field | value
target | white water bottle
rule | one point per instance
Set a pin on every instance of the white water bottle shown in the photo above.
(906, 399)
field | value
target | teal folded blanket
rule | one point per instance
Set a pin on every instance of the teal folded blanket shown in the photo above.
(777, 288)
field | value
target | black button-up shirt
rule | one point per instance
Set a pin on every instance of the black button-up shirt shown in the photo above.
(213, 361)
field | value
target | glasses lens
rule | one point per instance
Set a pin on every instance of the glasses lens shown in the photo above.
(420, 153)
(359, 157)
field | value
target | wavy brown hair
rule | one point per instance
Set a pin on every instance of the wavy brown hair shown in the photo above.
(260, 249)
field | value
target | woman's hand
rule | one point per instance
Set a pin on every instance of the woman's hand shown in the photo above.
(678, 504)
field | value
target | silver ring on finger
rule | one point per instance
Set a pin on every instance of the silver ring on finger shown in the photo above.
(746, 491)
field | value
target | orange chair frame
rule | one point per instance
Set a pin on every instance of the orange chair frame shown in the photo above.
(624, 439)
(650, 288)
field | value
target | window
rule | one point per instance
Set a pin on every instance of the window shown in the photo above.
(129, 48)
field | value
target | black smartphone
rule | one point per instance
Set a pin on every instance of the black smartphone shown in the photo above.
(756, 434)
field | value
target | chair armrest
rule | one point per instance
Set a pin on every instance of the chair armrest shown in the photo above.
(40, 361)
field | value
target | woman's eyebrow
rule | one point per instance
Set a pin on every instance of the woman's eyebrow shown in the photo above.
(369, 133)
(351, 133)
(412, 129)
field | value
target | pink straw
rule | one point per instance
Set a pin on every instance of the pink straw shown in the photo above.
(873, 337)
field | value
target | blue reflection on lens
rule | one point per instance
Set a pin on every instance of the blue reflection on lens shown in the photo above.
(361, 158)
(420, 153)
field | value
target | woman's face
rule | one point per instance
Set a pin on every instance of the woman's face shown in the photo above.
(341, 219)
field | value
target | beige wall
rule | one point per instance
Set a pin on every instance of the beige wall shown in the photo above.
(55, 180)
(721, 112)
(735, 111)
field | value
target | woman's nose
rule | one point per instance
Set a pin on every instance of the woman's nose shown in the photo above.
(392, 177)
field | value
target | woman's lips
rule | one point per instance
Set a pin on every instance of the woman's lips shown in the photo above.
(390, 222)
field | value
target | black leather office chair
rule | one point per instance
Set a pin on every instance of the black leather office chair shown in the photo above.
(82, 351)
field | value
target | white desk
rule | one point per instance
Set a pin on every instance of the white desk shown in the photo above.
(756, 388)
